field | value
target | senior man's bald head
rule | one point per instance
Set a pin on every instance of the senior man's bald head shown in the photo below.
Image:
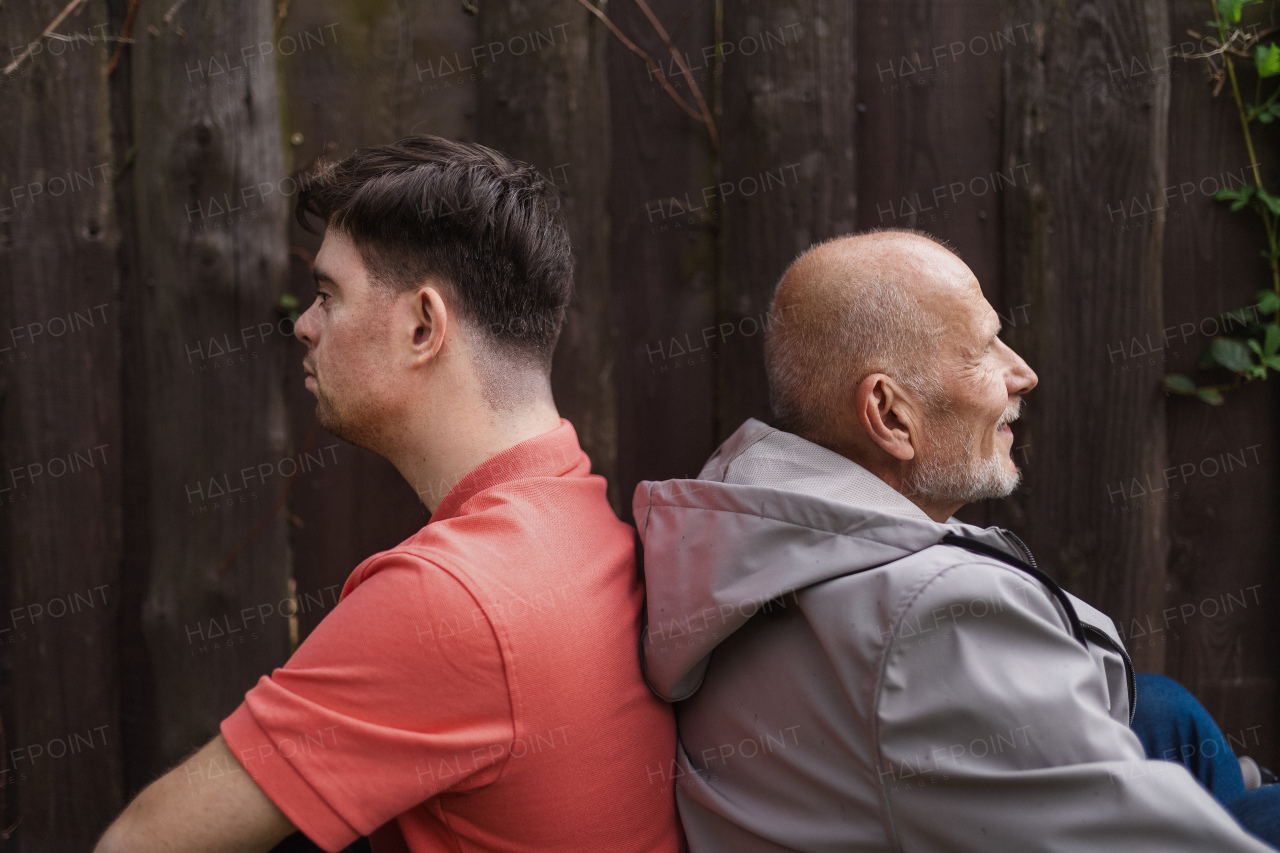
(851, 307)
(883, 349)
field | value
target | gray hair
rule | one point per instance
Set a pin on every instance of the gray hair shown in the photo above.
(819, 348)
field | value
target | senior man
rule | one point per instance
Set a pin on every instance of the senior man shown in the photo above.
(885, 677)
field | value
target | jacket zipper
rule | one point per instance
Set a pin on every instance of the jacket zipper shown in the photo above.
(1101, 638)
(1097, 635)
(1017, 540)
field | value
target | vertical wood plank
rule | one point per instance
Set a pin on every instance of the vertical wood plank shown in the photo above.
(407, 54)
(788, 176)
(931, 84)
(205, 401)
(60, 434)
(1218, 639)
(1086, 142)
(544, 101)
(663, 252)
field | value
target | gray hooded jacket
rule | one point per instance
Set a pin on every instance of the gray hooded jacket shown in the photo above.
(848, 682)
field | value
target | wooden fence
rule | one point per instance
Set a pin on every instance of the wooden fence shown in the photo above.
(146, 361)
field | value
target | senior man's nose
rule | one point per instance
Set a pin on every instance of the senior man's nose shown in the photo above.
(1019, 377)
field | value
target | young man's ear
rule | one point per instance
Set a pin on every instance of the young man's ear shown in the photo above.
(431, 323)
(885, 415)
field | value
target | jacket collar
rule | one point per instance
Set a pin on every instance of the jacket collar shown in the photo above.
(760, 455)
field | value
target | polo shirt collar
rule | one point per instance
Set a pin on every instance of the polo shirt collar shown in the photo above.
(552, 454)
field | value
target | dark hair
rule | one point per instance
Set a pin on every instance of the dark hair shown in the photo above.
(486, 225)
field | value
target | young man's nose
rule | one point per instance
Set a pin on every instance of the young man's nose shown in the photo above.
(306, 328)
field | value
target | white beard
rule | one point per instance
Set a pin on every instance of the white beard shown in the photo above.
(946, 471)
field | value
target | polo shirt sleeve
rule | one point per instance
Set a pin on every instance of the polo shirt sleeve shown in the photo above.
(398, 694)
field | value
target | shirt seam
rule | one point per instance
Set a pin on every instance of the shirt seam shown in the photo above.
(465, 582)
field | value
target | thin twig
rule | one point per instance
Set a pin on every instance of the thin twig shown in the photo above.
(125, 33)
(638, 51)
(684, 69)
(48, 31)
(173, 10)
(1246, 42)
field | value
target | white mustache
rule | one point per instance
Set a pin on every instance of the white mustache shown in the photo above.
(1012, 412)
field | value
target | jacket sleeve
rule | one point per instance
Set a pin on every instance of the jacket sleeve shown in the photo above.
(993, 733)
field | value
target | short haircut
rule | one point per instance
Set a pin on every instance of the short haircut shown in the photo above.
(487, 227)
(852, 319)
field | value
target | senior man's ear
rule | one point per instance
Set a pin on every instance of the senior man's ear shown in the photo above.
(887, 416)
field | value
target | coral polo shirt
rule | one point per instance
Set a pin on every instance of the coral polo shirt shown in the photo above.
(478, 686)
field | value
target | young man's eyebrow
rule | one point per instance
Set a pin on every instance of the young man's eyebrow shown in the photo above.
(319, 275)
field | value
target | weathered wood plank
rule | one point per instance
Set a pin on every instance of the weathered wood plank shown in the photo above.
(544, 102)
(1222, 499)
(204, 395)
(788, 176)
(60, 426)
(1086, 143)
(408, 55)
(663, 253)
(929, 89)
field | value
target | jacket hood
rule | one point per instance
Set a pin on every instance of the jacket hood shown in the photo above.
(717, 553)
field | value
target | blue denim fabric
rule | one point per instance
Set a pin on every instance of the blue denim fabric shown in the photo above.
(1174, 726)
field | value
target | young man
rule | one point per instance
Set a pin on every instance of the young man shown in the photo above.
(477, 688)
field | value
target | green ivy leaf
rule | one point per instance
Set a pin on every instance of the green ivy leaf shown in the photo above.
(1176, 383)
(1240, 317)
(1268, 301)
(1269, 200)
(1256, 347)
(1238, 197)
(1231, 354)
(1273, 362)
(1230, 10)
(1272, 346)
(1265, 113)
(1212, 396)
(1267, 58)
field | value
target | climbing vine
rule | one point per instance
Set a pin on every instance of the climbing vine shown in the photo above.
(1240, 55)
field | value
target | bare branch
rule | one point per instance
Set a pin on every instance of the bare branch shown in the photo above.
(124, 36)
(684, 69)
(48, 31)
(638, 51)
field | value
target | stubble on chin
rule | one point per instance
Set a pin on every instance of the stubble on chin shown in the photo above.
(947, 470)
(345, 424)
